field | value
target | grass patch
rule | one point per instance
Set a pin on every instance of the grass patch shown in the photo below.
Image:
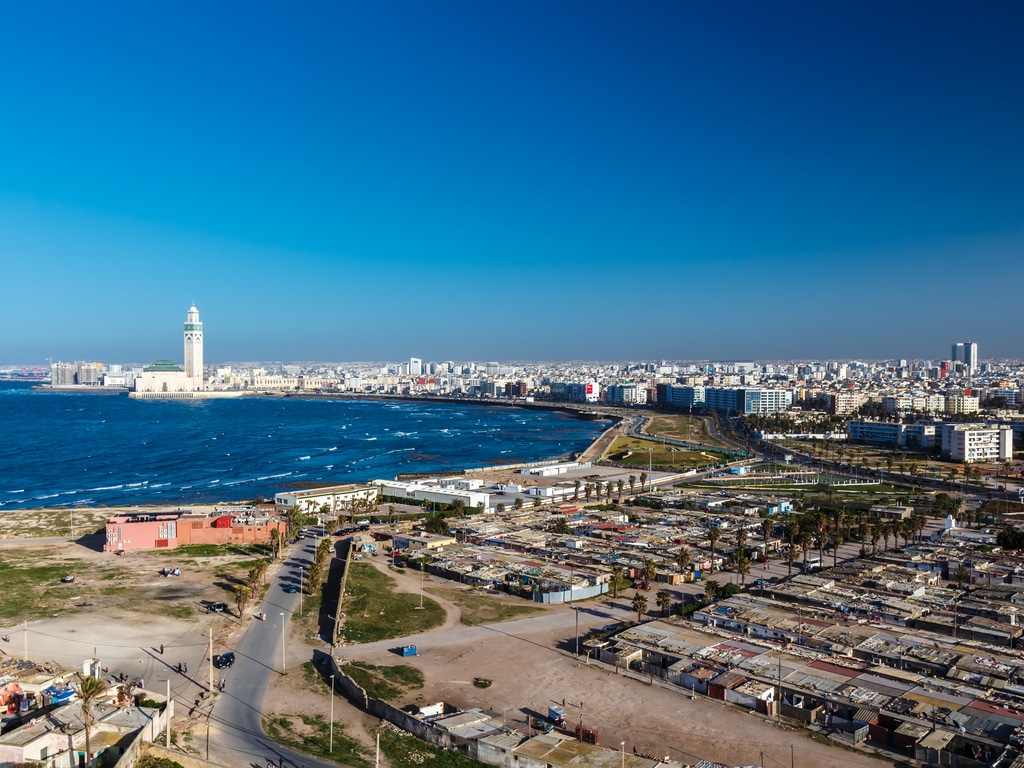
(179, 612)
(375, 612)
(689, 429)
(484, 609)
(405, 751)
(384, 682)
(221, 550)
(31, 592)
(312, 736)
(632, 452)
(149, 761)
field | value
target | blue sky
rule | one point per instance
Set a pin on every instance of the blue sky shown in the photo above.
(528, 180)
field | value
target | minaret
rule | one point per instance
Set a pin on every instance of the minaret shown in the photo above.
(194, 348)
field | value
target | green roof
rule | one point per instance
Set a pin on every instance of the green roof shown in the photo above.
(163, 365)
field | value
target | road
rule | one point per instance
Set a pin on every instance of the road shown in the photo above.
(236, 730)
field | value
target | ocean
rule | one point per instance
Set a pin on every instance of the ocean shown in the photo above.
(71, 449)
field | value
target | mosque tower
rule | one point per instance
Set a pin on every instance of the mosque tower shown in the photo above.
(194, 348)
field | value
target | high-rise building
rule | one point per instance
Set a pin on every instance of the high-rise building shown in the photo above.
(194, 348)
(966, 352)
(415, 366)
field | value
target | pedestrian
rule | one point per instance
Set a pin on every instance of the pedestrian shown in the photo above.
(563, 703)
(186, 667)
(161, 649)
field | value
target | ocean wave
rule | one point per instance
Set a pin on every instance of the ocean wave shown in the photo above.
(273, 477)
(106, 488)
(304, 458)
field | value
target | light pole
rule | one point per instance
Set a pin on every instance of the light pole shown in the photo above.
(622, 749)
(650, 468)
(283, 669)
(302, 586)
(331, 748)
(576, 610)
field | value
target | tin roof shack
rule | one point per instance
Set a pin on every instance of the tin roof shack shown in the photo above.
(553, 750)
(422, 541)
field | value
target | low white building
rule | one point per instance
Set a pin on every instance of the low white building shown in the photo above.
(337, 498)
(432, 492)
(973, 445)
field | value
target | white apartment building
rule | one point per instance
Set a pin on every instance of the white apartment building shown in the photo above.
(973, 445)
(845, 403)
(962, 404)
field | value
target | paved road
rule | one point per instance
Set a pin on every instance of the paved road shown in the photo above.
(236, 732)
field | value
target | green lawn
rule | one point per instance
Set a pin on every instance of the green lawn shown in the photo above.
(384, 682)
(404, 751)
(632, 451)
(312, 736)
(691, 429)
(32, 592)
(373, 611)
(484, 609)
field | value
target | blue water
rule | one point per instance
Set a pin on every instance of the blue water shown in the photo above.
(61, 449)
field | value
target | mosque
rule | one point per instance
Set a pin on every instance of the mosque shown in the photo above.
(167, 380)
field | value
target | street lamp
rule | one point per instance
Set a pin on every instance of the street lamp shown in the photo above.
(650, 468)
(622, 749)
(302, 586)
(282, 644)
(331, 748)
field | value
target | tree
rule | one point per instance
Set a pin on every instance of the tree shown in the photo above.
(588, 490)
(683, 559)
(792, 529)
(597, 490)
(275, 543)
(616, 573)
(742, 565)
(501, 508)
(576, 489)
(643, 479)
(435, 523)
(639, 605)
(243, 595)
(314, 578)
(1011, 537)
(536, 502)
(561, 526)
(90, 689)
(962, 574)
(663, 600)
(620, 484)
(253, 578)
(609, 489)
(517, 505)
(459, 506)
(648, 570)
(632, 484)
(710, 589)
(479, 507)
(767, 526)
(391, 514)
(714, 534)
(874, 533)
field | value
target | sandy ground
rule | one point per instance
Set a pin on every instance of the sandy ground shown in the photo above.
(530, 661)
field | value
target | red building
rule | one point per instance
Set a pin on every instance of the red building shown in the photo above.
(155, 530)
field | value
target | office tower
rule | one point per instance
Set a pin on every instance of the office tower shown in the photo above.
(415, 366)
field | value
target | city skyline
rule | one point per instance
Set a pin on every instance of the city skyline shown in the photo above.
(578, 182)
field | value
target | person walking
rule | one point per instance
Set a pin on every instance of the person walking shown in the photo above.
(161, 649)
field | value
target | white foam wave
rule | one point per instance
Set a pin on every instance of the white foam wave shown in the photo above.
(272, 477)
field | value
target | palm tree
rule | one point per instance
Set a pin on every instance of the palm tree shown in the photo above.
(766, 530)
(576, 489)
(587, 490)
(875, 533)
(649, 571)
(315, 578)
(597, 490)
(715, 534)
(391, 514)
(710, 589)
(804, 541)
(500, 508)
(639, 605)
(616, 574)
(792, 528)
(742, 566)
(663, 600)
(683, 559)
(242, 597)
(620, 484)
(962, 574)
(886, 531)
(643, 479)
(741, 540)
(518, 503)
(609, 489)
(90, 689)
(632, 484)
(561, 526)
(479, 507)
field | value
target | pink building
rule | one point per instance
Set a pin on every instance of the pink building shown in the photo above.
(156, 530)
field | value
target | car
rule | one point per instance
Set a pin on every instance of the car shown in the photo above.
(224, 661)
(330, 549)
(291, 589)
(219, 607)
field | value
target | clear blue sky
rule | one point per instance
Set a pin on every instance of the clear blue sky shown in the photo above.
(499, 180)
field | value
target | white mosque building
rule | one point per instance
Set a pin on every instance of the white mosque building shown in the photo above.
(165, 379)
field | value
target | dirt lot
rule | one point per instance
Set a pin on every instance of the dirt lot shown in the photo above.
(122, 610)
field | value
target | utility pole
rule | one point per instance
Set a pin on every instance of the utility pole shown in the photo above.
(210, 664)
(330, 750)
(26, 640)
(167, 711)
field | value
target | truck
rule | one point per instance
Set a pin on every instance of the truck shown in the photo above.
(556, 714)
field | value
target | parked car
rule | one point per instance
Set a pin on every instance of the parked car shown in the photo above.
(291, 589)
(224, 661)
(219, 607)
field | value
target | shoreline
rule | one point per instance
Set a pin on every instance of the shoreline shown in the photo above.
(582, 412)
